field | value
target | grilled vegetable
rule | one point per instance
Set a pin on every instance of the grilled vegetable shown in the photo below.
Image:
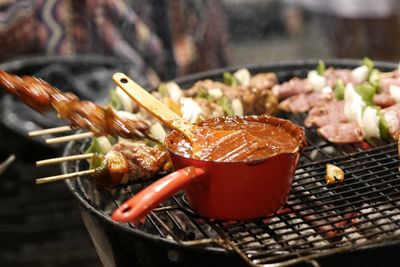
(383, 126)
(339, 89)
(321, 67)
(230, 80)
(367, 92)
(316, 81)
(243, 77)
(371, 121)
(333, 174)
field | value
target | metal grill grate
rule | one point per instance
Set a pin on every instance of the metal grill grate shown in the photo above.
(319, 220)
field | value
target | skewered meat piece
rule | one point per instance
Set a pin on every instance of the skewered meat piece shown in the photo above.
(130, 161)
(117, 125)
(290, 88)
(33, 92)
(385, 84)
(392, 117)
(41, 96)
(263, 80)
(304, 102)
(342, 133)
(209, 108)
(332, 75)
(330, 113)
(383, 100)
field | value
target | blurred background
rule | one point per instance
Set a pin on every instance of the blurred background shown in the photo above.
(154, 40)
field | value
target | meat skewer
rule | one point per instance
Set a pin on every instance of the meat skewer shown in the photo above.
(67, 138)
(42, 97)
(125, 162)
(54, 130)
(63, 159)
(61, 177)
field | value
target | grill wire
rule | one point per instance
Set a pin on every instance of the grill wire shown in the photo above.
(317, 219)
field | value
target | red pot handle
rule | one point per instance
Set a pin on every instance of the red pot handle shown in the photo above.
(135, 208)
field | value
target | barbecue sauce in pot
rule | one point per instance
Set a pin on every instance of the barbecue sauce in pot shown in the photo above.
(230, 139)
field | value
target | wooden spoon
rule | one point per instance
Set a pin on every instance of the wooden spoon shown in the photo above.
(153, 105)
(174, 121)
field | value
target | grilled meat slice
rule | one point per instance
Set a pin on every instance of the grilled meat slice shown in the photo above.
(304, 102)
(392, 118)
(116, 125)
(330, 113)
(263, 80)
(290, 88)
(332, 75)
(143, 161)
(342, 133)
(41, 96)
(383, 100)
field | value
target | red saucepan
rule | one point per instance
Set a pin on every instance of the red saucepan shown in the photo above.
(222, 190)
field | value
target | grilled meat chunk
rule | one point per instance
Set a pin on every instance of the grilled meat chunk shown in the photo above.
(304, 102)
(342, 133)
(330, 113)
(41, 96)
(255, 100)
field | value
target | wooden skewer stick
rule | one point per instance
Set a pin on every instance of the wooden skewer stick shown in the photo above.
(61, 177)
(59, 129)
(4, 165)
(68, 138)
(62, 159)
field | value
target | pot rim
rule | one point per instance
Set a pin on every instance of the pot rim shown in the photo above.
(301, 139)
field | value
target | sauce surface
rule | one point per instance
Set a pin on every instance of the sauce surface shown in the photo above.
(237, 139)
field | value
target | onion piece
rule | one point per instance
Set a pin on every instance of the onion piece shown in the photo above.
(128, 115)
(190, 109)
(117, 166)
(316, 81)
(174, 91)
(237, 107)
(158, 132)
(243, 76)
(360, 74)
(215, 93)
(353, 106)
(127, 102)
(370, 120)
(104, 143)
(333, 174)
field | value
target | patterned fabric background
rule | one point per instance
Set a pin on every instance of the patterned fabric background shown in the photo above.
(172, 38)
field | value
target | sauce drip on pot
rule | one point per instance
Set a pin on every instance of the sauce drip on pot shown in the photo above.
(237, 139)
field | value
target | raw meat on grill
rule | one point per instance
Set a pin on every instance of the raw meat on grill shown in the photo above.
(290, 88)
(330, 113)
(304, 102)
(342, 133)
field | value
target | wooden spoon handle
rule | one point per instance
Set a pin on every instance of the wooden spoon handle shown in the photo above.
(152, 105)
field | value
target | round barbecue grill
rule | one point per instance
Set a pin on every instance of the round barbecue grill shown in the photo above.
(355, 223)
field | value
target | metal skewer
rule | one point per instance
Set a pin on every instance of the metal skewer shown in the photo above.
(68, 138)
(61, 177)
(59, 129)
(62, 159)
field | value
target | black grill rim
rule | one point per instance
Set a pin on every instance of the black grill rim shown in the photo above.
(217, 75)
